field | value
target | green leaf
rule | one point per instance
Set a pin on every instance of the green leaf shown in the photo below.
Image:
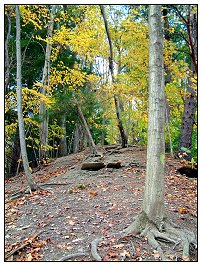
(185, 150)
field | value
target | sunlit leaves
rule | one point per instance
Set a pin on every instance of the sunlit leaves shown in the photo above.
(38, 15)
(31, 99)
(55, 131)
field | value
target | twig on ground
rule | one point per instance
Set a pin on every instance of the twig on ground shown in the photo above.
(132, 248)
(29, 241)
(74, 255)
(53, 184)
(94, 245)
(16, 195)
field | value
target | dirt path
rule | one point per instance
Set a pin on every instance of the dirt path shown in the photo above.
(91, 204)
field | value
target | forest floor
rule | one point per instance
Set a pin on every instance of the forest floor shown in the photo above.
(78, 206)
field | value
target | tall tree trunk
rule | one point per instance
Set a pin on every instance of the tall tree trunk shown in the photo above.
(43, 127)
(92, 144)
(190, 97)
(153, 203)
(30, 182)
(111, 67)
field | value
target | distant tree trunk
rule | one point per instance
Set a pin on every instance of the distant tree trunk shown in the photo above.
(91, 141)
(7, 61)
(188, 121)
(43, 127)
(63, 141)
(30, 182)
(167, 109)
(167, 78)
(15, 155)
(129, 122)
(77, 139)
(190, 97)
(111, 67)
(103, 132)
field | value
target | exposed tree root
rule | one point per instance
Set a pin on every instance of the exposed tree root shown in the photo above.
(94, 245)
(161, 232)
(92, 155)
(187, 237)
(73, 255)
(23, 192)
(16, 195)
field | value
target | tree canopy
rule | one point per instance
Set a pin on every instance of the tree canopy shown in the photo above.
(80, 73)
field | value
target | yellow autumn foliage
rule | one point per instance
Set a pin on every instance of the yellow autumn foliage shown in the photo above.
(31, 99)
(38, 15)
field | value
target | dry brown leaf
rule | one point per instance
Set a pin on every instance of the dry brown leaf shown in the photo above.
(185, 258)
(93, 193)
(38, 244)
(10, 258)
(138, 249)
(169, 195)
(182, 210)
(125, 254)
(106, 258)
(156, 255)
(171, 257)
(29, 257)
(112, 255)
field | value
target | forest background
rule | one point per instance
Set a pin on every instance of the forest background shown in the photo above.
(80, 76)
(108, 136)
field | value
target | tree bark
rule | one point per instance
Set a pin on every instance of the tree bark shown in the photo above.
(153, 203)
(167, 79)
(187, 121)
(190, 103)
(152, 215)
(63, 141)
(30, 182)
(76, 139)
(43, 127)
(92, 144)
(111, 67)
(15, 155)
(7, 61)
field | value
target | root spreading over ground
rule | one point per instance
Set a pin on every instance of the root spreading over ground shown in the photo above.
(166, 232)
